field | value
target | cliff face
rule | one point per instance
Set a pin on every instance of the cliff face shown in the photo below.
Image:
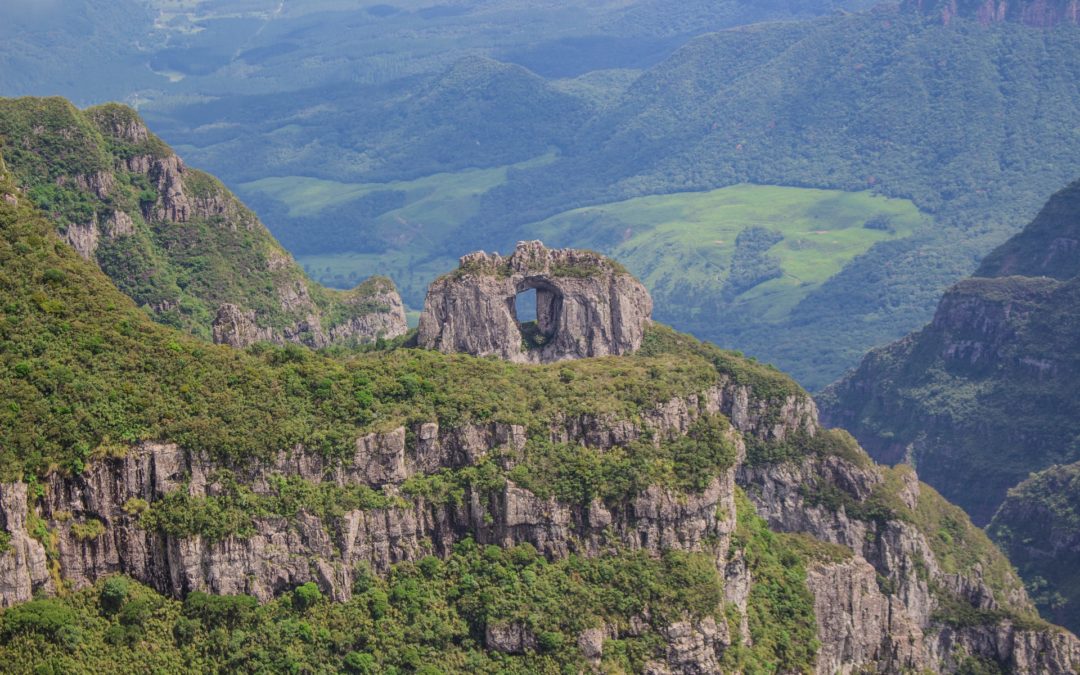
(586, 306)
(174, 239)
(986, 394)
(979, 398)
(634, 482)
(1036, 13)
(880, 607)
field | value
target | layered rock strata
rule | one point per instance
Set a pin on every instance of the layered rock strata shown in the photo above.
(874, 609)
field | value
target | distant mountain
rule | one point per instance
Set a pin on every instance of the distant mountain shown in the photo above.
(1039, 13)
(988, 394)
(968, 122)
(173, 238)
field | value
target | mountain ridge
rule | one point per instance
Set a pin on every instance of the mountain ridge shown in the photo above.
(383, 479)
(173, 238)
(983, 400)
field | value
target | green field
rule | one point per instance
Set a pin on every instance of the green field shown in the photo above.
(435, 206)
(682, 245)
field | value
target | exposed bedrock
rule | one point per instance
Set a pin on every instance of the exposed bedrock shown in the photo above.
(586, 306)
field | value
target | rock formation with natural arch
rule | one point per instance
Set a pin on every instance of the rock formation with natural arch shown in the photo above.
(586, 306)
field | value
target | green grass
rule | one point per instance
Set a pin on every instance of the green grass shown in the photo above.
(671, 241)
(435, 206)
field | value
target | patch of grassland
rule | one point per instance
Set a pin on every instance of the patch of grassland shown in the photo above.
(688, 239)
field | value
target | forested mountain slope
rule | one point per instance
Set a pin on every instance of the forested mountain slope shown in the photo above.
(175, 239)
(416, 511)
(968, 122)
(987, 394)
(1038, 527)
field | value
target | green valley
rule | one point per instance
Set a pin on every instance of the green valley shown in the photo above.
(686, 246)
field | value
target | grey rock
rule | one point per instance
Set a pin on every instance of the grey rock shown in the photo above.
(83, 237)
(237, 328)
(24, 566)
(587, 306)
(509, 638)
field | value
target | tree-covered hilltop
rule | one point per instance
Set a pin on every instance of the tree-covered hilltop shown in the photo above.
(404, 485)
(987, 394)
(172, 238)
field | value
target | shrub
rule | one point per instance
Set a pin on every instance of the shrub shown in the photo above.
(135, 506)
(44, 617)
(89, 530)
(185, 630)
(307, 595)
(114, 593)
(361, 663)
(220, 611)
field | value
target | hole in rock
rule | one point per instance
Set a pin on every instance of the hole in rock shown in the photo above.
(525, 306)
(537, 306)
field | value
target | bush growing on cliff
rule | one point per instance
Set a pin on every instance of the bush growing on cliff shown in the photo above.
(41, 617)
(421, 617)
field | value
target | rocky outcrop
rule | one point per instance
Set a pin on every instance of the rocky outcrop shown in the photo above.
(880, 607)
(83, 237)
(24, 567)
(586, 306)
(858, 624)
(237, 328)
(1035, 13)
(377, 311)
(282, 553)
(374, 311)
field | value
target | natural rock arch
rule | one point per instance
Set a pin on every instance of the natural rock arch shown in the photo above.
(586, 305)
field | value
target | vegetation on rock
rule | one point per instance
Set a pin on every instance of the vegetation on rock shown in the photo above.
(173, 239)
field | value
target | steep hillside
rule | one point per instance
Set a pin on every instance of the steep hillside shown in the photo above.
(1038, 527)
(1047, 247)
(173, 238)
(419, 511)
(987, 393)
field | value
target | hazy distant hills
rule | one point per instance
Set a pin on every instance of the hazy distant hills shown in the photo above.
(392, 138)
(1039, 13)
